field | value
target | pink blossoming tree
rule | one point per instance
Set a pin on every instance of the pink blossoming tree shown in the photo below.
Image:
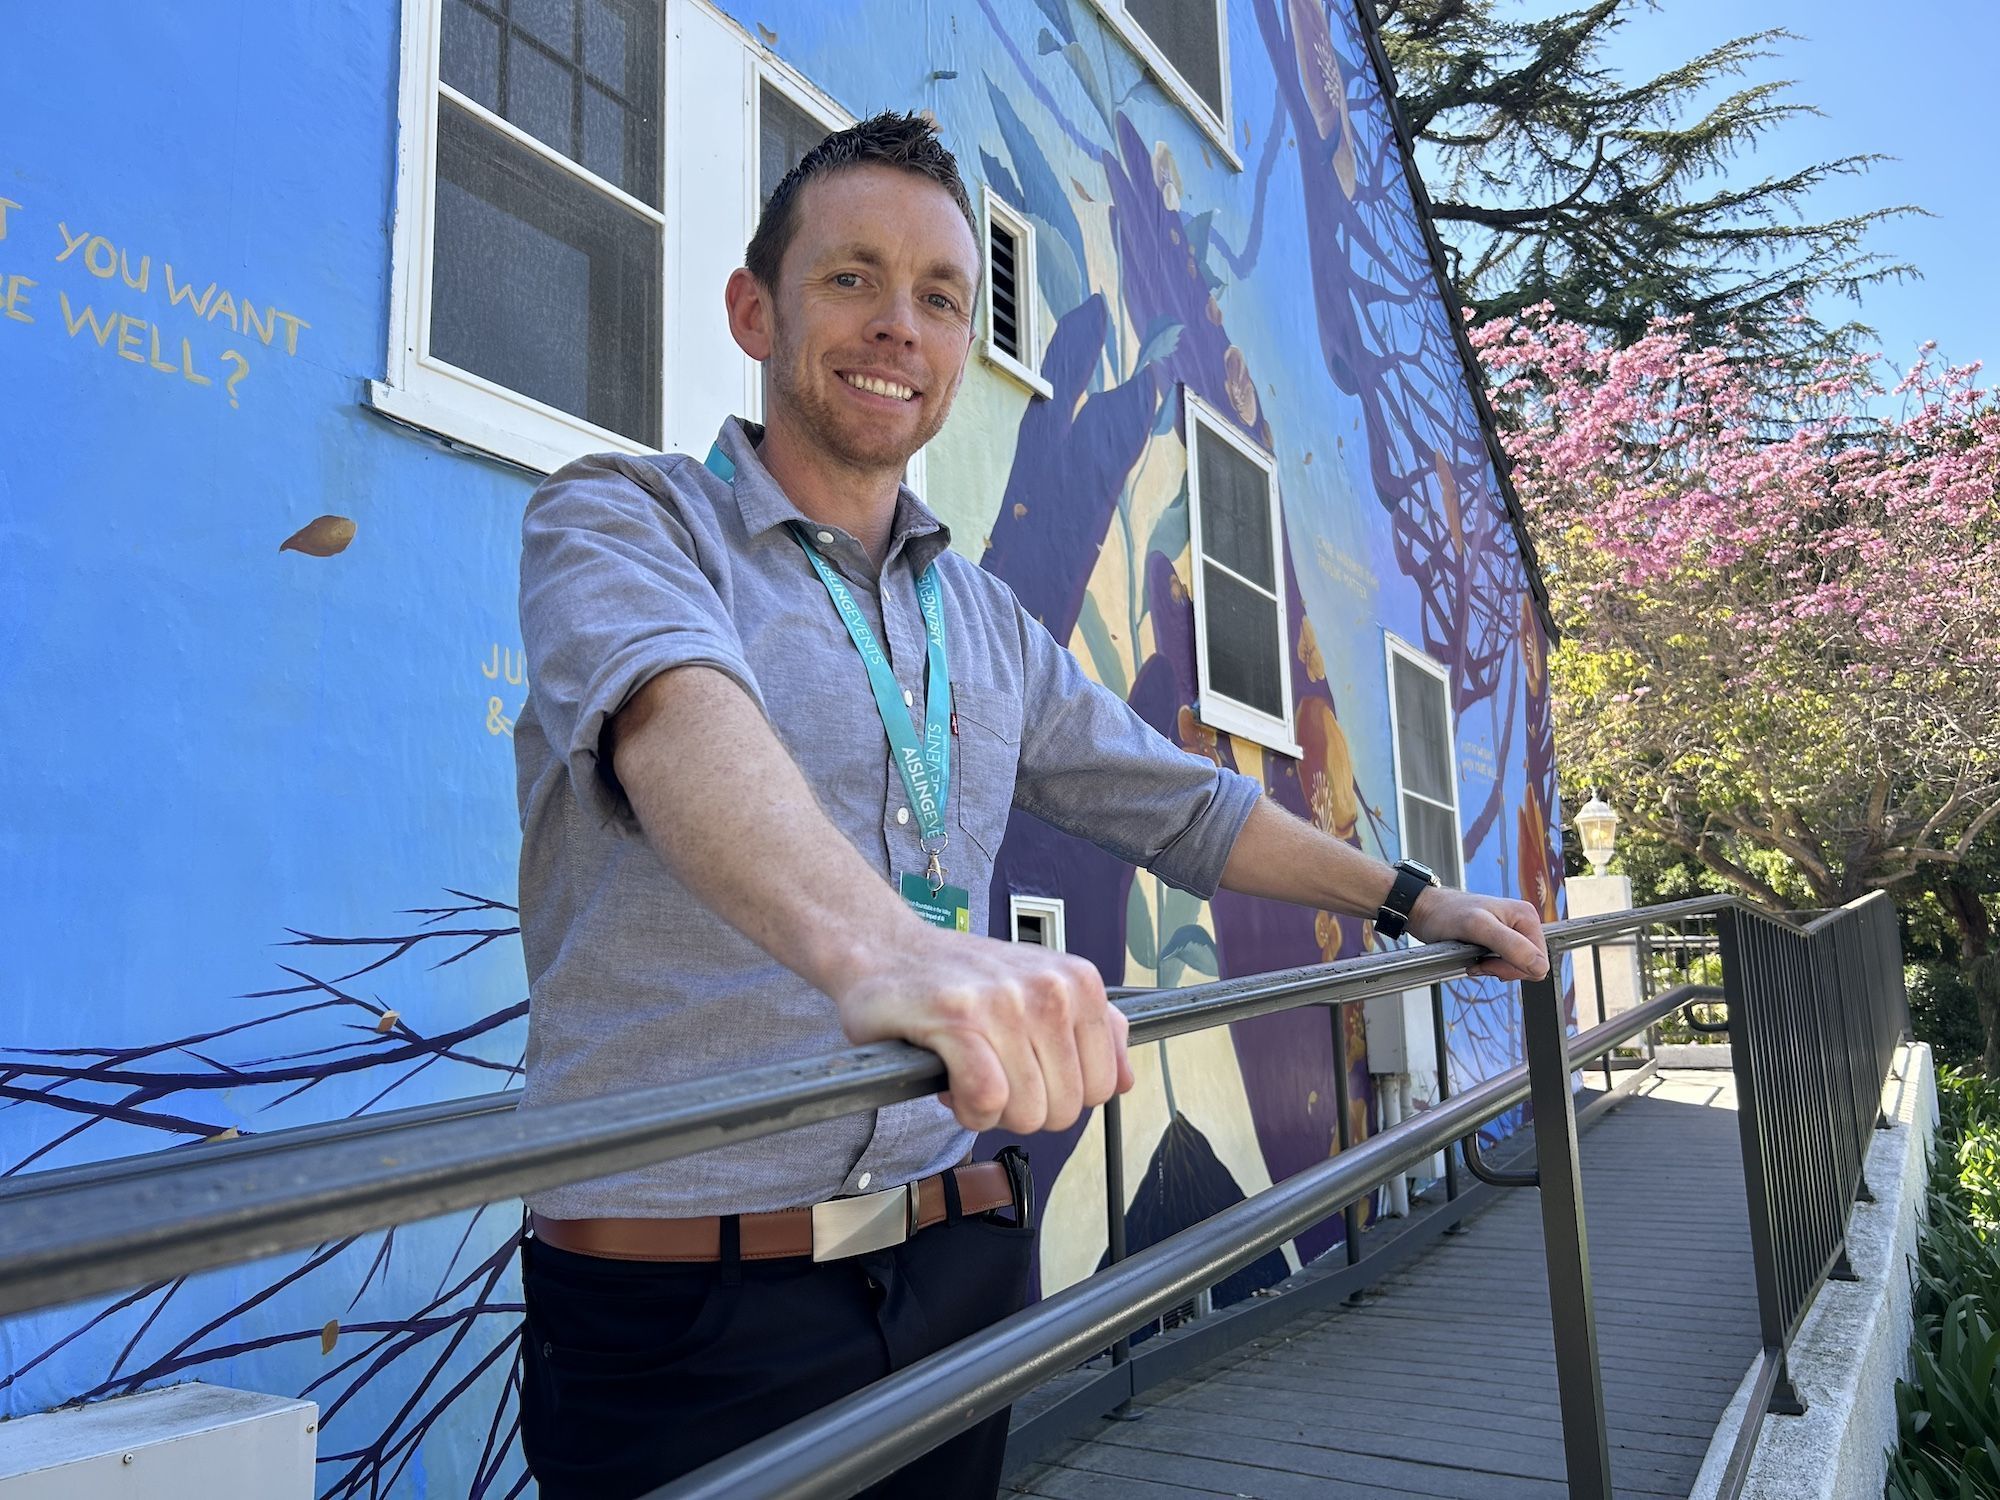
(1781, 623)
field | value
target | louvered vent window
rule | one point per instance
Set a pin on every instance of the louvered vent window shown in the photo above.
(1013, 330)
(1003, 267)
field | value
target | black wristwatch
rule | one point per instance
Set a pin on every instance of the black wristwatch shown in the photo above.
(1392, 918)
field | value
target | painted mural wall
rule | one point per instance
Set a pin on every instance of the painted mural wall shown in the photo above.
(262, 663)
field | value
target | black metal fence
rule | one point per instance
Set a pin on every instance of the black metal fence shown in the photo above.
(1815, 1014)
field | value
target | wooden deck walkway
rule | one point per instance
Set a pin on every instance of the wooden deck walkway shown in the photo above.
(1442, 1382)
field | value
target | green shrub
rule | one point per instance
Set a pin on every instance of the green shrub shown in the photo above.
(1948, 1412)
(1944, 1011)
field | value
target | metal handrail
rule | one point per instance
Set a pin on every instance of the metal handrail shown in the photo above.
(866, 1436)
(78, 1231)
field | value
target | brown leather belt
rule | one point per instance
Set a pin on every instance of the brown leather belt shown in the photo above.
(826, 1231)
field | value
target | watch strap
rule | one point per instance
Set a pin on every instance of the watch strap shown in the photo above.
(1392, 918)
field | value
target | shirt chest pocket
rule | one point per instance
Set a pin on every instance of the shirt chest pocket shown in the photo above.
(984, 756)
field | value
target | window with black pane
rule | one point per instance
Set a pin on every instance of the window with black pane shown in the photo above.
(1420, 709)
(1239, 601)
(786, 131)
(1189, 35)
(547, 250)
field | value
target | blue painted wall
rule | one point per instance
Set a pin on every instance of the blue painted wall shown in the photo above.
(260, 652)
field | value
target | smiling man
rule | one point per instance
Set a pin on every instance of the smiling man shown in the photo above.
(775, 733)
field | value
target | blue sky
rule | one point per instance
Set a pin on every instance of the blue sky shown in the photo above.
(1913, 80)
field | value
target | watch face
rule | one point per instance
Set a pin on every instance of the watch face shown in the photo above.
(1418, 868)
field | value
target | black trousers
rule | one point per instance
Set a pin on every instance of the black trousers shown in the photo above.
(636, 1372)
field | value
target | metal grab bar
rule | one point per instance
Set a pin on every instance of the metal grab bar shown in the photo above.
(1508, 1177)
(863, 1437)
(85, 1230)
(1815, 1015)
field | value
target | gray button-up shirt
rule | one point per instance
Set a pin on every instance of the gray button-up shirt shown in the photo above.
(632, 566)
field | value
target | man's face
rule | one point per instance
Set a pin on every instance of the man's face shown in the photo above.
(872, 317)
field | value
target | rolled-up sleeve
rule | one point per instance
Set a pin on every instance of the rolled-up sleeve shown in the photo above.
(1092, 767)
(612, 594)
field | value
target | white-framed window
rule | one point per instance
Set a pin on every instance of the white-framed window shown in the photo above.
(576, 180)
(1236, 536)
(1037, 919)
(1184, 44)
(1426, 745)
(1013, 340)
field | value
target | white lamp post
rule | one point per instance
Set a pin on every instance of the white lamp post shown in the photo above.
(1617, 964)
(1597, 830)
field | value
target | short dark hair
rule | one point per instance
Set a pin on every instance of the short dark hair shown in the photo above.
(905, 141)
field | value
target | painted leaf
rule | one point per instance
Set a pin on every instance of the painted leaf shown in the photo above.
(329, 1335)
(1048, 42)
(388, 1021)
(1170, 532)
(1058, 13)
(322, 536)
(1047, 199)
(1000, 179)
(1139, 926)
(1103, 650)
(1184, 1183)
(1195, 948)
(1160, 342)
(1079, 62)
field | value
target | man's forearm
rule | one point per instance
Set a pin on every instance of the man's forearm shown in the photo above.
(1280, 856)
(771, 864)
(1027, 1036)
(1287, 859)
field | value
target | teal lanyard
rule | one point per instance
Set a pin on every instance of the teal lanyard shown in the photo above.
(926, 768)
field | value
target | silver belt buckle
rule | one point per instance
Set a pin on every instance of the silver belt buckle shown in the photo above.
(873, 1221)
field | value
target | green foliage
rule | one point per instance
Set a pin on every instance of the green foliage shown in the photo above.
(1948, 1412)
(1555, 179)
(1945, 1012)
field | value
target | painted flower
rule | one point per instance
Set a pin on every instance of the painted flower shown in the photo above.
(1538, 880)
(1196, 736)
(1327, 769)
(1531, 643)
(1325, 89)
(1454, 512)
(1167, 176)
(1309, 656)
(1242, 389)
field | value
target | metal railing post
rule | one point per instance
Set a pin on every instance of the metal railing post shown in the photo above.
(1343, 1132)
(1114, 1204)
(1597, 985)
(1444, 1088)
(1579, 1376)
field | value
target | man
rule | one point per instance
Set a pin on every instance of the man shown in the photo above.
(775, 733)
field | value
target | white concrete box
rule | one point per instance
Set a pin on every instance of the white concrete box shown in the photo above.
(186, 1442)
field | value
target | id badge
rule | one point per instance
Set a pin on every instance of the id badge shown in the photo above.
(949, 907)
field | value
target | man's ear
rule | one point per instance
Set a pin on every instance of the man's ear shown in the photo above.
(749, 306)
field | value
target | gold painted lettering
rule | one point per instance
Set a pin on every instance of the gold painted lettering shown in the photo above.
(187, 366)
(100, 331)
(292, 327)
(263, 327)
(69, 243)
(13, 302)
(225, 306)
(164, 366)
(517, 668)
(110, 267)
(5, 204)
(492, 668)
(145, 270)
(184, 292)
(128, 334)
